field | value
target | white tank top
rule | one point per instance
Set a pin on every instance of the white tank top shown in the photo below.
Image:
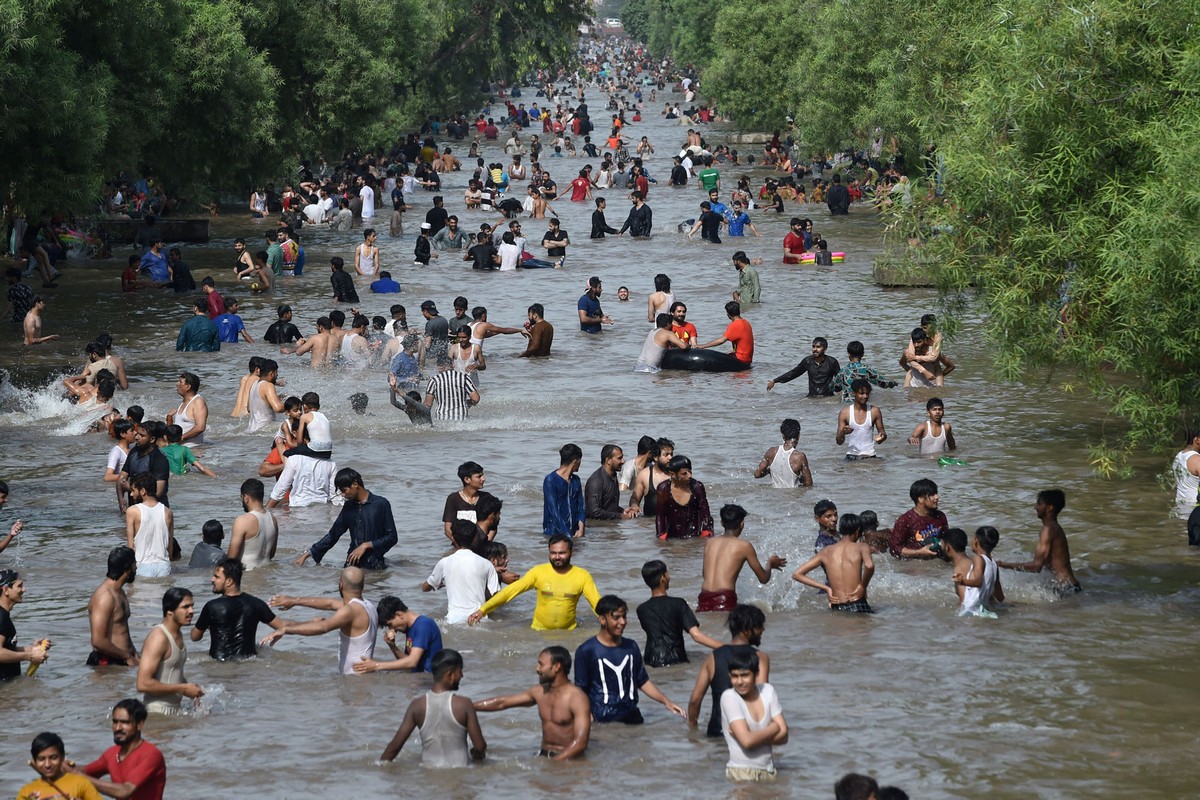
(782, 476)
(443, 739)
(366, 261)
(320, 437)
(349, 355)
(261, 415)
(170, 670)
(1186, 484)
(933, 444)
(975, 598)
(861, 441)
(478, 342)
(352, 649)
(256, 550)
(185, 421)
(665, 307)
(152, 542)
(652, 355)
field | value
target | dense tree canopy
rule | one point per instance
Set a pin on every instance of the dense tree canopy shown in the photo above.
(211, 94)
(1068, 138)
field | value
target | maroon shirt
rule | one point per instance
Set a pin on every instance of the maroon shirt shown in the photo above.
(912, 531)
(216, 304)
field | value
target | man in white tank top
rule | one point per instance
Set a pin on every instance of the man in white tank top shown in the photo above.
(256, 532)
(192, 413)
(1187, 473)
(160, 673)
(444, 718)
(787, 466)
(860, 426)
(149, 528)
(933, 436)
(354, 618)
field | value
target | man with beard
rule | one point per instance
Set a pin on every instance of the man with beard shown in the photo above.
(234, 616)
(160, 674)
(136, 767)
(559, 585)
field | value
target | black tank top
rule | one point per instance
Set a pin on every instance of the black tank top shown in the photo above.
(650, 502)
(721, 682)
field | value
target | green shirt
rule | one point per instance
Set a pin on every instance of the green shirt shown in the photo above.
(709, 178)
(275, 258)
(748, 288)
(179, 457)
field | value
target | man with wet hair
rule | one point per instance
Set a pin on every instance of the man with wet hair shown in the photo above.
(108, 613)
(367, 517)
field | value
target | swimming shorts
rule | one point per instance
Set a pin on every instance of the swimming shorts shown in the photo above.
(98, 659)
(720, 600)
(751, 774)
(305, 450)
(853, 607)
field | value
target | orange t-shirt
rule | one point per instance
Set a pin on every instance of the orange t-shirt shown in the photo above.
(742, 336)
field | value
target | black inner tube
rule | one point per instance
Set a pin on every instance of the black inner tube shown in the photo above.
(696, 360)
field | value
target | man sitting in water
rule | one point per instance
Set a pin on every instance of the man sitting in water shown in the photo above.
(738, 332)
(656, 344)
(1052, 544)
(724, 557)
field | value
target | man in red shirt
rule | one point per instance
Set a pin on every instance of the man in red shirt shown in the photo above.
(136, 767)
(739, 333)
(917, 531)
(793, 243)
(581, 187)
(216, 303)
(679, 324)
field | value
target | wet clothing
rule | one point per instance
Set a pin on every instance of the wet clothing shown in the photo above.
(719, 600)
(145, 768)
(611, 677)
(563, 506)
(854, 607)
(198, 335)
(851, 372)
(665, 619)
(443, 737)
(234, 623)
(557, 595)
(353, 649)
(673, 521)
(170, 670)
(8, 671)
(721, 682)
(820, 374)
(639, 222)
(600, 225)
(426, 635)
(343, 287)
(282, 333)
(913, 531)
(734, 707)
(369, 521)
(602, 496)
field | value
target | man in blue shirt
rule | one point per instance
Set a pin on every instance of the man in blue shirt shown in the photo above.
(198, 334)
(738, 220)
(155, 263)
(422, 639)
(368, 518)
(230, 325)
(590, 314)
(385, 284)
(609, 668)
(563, 509)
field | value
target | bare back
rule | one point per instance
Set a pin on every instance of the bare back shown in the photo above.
(844, 563)
(724, 557)
(1059, 559)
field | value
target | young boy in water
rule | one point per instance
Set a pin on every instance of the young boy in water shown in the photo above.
(826, 515)
(497, 553)
(848, 569)
(1052, 544)
(178, 456)
(954, 549)
(665, 619)
(752, 721)
(933, 436)
(241, 406)
(980, 586)
(874, 538)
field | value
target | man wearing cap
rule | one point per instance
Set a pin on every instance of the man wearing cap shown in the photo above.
(230, 325)
(591, 316)
(423, 251)
(283, 331)
(437, 335)
(12, 591)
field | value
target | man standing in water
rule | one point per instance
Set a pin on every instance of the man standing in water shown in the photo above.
(821, 370)
(559, 585)
(563, 506)
(724, 557)
(856, 422)
(640, 221)
(353, 617)
(848, 569)
(137, 768)
(160, 674)
(541, 334)
(33, 323)
(108, 613)
(563, 706)
(591, 316)
(746, 625)
(368, 518)
(445, 719)
(1052, 545)
(234, 616)
(916, 532)
(192, 412)
(787, 466)
(12, 591)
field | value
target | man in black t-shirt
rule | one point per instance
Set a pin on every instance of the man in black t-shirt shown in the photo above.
(283, 331)
(234, 616)
(145, 456)
(555, 240)
(12, 591)
(482, 253)
(665, 618)
(343, 284)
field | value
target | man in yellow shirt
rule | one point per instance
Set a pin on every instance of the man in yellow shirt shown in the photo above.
(559, 586)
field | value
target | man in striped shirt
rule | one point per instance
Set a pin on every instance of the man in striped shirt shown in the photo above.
(454, 393)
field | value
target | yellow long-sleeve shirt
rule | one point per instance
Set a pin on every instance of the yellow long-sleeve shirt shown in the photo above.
(557, 595)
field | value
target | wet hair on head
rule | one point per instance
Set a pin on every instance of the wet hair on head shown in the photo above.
(853, 786)
(232, 569)
(745, 618)
(855, 349)
(743, 661)
(869, 519)
(609, 604)
(849, 523)
(732, 515)
(389, 607)
(173, 597)
(934, 402)
(1055, 498)
(988, 537)
(445, 660)
(569, 452)
(955, 539)
(561, 538)
(347, 477)
(561, 656)
(823, 506)
(679, 462)
(135, 708)
(790, 429)
(922, 487)
(121, 561)
(653, 571)
(46, 741)
(213, 531)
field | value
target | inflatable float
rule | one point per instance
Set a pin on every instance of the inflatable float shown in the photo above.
(811, 258)
(697, 360)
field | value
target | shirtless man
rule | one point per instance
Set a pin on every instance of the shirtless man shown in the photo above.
(336, 332)
(1051, 546)
(320, 344)
(792, 469)
(724, 557)
(353, 617)
(648, 478)
(564, 708)
(108, 613)
(922, 363)
(33, 324)
(241, 406)
(97, 360)
(848, 569)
